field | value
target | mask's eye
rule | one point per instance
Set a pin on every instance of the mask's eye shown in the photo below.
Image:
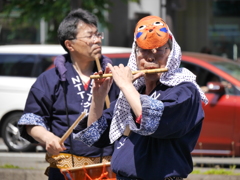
(158, 24)
(141, 27)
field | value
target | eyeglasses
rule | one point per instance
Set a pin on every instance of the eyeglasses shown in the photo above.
(92, 37)
(158, 51)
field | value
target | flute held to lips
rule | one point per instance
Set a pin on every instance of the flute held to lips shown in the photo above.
(133, 72)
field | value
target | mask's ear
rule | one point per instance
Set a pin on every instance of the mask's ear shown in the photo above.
(151, 32)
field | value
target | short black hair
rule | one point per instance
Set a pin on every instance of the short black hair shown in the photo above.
(67, 29)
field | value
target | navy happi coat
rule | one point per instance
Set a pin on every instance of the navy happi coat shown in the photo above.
(45, 105)
(161, 145)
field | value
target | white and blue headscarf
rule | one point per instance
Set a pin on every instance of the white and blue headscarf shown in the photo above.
(172, 77)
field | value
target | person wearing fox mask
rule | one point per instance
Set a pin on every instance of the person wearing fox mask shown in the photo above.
(162, 110)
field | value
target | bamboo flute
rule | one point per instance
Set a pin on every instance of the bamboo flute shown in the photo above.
(99, 68)
(133, 72)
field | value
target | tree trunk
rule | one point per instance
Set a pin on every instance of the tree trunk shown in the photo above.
(76, 4)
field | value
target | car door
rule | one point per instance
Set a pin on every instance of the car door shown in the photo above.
(218, 127)
(216, 137)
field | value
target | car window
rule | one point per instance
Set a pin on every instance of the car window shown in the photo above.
(16, 65)
(43, 63)
(23, 65)
(231, 68)
(117, 61)
(204, 76)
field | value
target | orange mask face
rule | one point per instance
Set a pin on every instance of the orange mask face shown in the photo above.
(151, 32)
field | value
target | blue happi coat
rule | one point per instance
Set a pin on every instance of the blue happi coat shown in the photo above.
(161, 144)
(45, 105)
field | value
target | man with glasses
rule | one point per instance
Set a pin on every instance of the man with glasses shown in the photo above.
(163, 110)
(61, 94)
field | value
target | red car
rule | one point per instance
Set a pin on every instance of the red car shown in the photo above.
(220, 79)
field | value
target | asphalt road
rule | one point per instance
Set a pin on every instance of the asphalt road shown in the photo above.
(3, 147)
(32, 166)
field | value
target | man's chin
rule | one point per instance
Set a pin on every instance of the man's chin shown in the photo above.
(97, 52)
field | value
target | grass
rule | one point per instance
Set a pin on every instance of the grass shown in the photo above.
(217, 171)
(9, 166)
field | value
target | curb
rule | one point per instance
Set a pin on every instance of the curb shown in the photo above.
(22, 174)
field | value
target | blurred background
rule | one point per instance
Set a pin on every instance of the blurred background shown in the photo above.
(207, 26)
(210, 26)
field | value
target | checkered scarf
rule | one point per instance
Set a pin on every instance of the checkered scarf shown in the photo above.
(172, 77)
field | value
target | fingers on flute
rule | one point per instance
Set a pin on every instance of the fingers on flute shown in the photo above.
(107, 70)
(96, 73)
(109, 66)
(114, 67)
(100, 72)
(121, 65)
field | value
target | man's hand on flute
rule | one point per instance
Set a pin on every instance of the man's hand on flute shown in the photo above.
(123, 75)
(102, 85)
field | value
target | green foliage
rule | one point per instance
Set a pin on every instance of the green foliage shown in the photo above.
(30, 12)
(98, 8)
